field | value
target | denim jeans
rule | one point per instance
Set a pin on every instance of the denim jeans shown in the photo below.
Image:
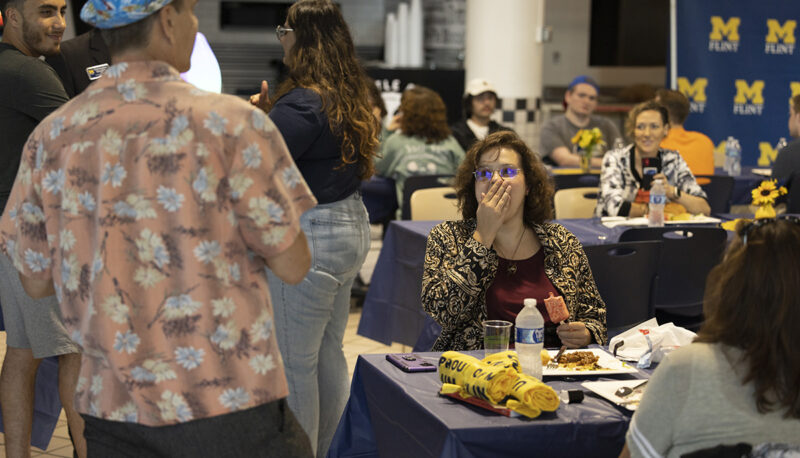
(310, 317)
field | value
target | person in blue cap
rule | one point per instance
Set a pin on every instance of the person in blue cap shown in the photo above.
(580, 101)
(150, 208)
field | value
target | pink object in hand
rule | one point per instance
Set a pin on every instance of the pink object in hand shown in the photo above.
(556, 308)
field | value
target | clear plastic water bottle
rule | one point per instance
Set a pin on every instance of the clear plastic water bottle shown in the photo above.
(733, 157)
(658, 198)
(530, 338)
(781, 144)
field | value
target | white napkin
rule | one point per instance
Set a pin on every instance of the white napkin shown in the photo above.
(614, 221)
(649, 342)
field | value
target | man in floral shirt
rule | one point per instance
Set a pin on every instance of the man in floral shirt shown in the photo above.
(150, 208)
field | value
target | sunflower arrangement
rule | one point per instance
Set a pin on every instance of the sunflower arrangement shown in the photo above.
(587, 141)
(764, 196)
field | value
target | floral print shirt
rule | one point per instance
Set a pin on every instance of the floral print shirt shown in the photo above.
(619, 181)
(152, 205)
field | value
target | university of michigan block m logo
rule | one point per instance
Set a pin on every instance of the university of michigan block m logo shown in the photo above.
(695, 92)
(749, 93)
(749, 98)
(729, 29)
(785, 32)
(724, 36)
(780, 38)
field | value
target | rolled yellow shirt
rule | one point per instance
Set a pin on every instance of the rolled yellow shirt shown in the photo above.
(491, 383)
(506, 359)
(534, 394)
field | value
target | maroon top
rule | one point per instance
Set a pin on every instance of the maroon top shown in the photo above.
(504, 298)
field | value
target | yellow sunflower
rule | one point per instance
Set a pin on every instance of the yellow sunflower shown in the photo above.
(767, 192)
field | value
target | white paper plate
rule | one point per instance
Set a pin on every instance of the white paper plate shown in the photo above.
(609, 364)
(607, 389)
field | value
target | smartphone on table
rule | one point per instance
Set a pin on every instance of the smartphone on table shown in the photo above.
(410, 362)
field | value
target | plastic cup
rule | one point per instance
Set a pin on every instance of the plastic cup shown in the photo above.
(496, 334)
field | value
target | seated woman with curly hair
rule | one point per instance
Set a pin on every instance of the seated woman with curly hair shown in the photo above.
(505, 251)
(736, 388)
(423, 145)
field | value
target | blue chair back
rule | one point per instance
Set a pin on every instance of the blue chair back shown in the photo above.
(624, 274)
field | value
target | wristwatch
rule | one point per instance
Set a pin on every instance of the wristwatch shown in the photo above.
(677, 193)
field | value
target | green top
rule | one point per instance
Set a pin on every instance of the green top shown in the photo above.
(403, 156)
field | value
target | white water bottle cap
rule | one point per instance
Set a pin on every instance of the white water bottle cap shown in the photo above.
(529, 302)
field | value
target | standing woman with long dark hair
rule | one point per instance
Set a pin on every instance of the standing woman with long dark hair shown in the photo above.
(323, 112)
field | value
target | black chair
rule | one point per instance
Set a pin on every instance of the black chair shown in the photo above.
(687, 256)
(793, 197)
(415, 182)
(581, 180)
(719, 190)
(624, 274)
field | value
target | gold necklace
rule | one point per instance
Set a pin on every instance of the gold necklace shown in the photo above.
(512, 266)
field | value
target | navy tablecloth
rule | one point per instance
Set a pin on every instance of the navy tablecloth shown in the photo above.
(391, 413)
(742, 185)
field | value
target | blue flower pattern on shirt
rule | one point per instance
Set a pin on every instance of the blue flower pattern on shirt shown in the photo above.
(152, 206)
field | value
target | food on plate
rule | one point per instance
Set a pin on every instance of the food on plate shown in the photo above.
(673, 208)
(579, 361)
(545, 357)
(681, 217)
(556, 308)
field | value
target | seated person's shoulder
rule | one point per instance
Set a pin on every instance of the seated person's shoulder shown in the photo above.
(453, 229)
(560, 235)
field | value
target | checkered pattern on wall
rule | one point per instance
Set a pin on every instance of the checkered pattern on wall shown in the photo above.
(521, 115)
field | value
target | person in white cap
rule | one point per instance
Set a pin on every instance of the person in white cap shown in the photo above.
(480, 101)
(150, 208)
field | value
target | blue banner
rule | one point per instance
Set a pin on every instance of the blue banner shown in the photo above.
(738, 64)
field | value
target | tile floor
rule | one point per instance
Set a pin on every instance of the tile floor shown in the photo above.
(354, 345)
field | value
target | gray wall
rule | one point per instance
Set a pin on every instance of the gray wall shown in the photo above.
(247, 57)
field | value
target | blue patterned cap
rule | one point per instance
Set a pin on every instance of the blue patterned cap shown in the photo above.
(110, 14)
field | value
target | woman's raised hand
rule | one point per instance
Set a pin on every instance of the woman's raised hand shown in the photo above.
(492, 210)
(261, 100)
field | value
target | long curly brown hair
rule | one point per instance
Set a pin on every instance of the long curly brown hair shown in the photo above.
(424, 114)
(323, 59)
(538, 201)
(752, 302)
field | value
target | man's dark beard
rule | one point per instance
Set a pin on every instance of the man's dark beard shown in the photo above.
(33, 40)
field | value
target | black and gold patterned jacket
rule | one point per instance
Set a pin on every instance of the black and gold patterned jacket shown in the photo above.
(459, 270)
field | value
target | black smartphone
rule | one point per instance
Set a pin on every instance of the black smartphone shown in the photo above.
(650, 166)
(410, 362)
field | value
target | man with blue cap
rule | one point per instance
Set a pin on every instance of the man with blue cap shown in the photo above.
(150, 208)
(580, 101)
